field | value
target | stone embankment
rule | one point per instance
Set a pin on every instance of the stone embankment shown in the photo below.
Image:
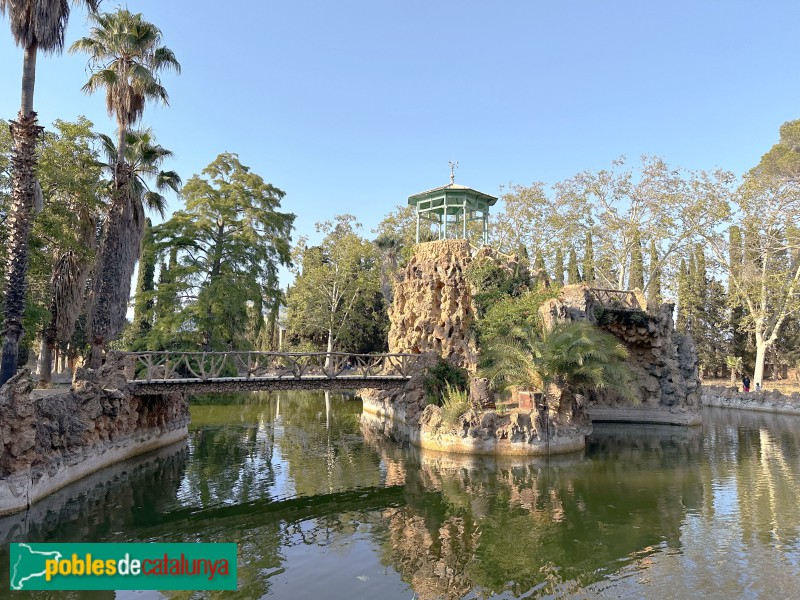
(49, 442)
(761, 401)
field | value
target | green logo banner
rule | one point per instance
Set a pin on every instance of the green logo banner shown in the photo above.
(133, 566)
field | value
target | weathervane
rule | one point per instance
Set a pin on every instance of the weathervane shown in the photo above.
(453, 166)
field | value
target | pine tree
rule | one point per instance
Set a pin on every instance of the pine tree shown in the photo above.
(588, 259)
(558, 279)
(573, 275)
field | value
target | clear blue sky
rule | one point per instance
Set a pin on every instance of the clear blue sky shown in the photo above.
(352, 106)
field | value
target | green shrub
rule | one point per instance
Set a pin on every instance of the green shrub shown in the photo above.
(508, 314)
(439, 378)
(627, 317)
(455, 404)
(491, 282)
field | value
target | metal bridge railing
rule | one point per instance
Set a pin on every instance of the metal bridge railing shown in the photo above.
(145, 367)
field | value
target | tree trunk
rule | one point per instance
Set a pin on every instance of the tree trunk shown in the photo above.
(116, 259)
(761, 353)
(28, 80)
(24, 134)
(330, 349)
(45, 362)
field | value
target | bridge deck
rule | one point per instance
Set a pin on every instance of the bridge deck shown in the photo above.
(256, 384)
(198, 372)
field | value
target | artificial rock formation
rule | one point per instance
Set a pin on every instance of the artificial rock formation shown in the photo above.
(664, 361)
(432, 313)
(432, 310)
(48, 442)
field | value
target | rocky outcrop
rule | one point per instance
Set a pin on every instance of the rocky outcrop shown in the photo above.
(50, 441)
(432, 310)
(664, 361)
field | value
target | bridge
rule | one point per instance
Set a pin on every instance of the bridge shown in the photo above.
(206, 372)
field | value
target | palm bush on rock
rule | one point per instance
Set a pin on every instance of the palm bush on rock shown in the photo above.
(566, 361)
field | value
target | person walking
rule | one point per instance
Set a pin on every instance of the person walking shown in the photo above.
(745, 383)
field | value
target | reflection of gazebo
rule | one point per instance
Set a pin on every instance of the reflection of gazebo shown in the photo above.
(452, 208)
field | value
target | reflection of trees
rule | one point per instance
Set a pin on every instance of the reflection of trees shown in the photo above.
(243, 447)
(500, 524)
(324, 449)
(761, 454)
(232, 447)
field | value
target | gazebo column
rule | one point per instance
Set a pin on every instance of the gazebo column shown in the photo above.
(445, 219)
(417, 227)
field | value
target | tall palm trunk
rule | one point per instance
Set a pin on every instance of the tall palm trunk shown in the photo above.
(116, 258)
(24, 134)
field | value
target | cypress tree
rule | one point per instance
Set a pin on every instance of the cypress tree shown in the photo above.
(736, 257)
(165, 296)
(143, 302)
(636, 277)
(654, 286)
(691, 279)
(683, 296)
(588, 259)
(559, 268)
(573, 275)
(540, 275)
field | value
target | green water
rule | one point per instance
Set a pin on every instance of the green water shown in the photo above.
(322, 507)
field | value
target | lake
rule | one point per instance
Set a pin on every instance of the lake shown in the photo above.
(323, 507)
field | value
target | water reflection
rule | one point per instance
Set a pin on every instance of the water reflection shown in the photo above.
(517, 525)
(321, 505)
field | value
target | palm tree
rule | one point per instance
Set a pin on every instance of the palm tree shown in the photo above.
(124, 226)
(389, 248)
(569, 359)
(36, 25)
(126, 56)
(72, 262)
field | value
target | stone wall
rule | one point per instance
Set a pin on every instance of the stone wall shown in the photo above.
(664, 361)
(48, 442)
(761, 401)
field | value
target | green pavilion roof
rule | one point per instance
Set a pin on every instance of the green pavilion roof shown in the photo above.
(451, 190)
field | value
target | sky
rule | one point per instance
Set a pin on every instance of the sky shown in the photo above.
(352, 106)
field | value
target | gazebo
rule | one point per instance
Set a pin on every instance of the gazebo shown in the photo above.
(452, 208)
